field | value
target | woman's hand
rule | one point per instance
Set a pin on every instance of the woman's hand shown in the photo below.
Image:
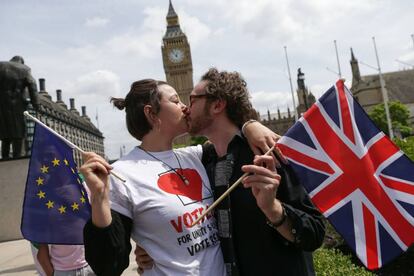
(96, 173)
(261, 139)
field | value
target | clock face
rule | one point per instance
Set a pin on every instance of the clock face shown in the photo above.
(176, 55)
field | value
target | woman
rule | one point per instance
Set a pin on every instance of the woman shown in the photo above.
(164, 192)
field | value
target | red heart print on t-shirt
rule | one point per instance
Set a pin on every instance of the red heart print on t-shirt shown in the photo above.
(171, 183)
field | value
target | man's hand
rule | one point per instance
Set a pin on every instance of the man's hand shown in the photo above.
(144, 261)
(264, 182)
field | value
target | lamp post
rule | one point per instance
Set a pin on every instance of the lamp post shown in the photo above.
(412, 37)
(384, 93)
(291, 86)
(337, 60)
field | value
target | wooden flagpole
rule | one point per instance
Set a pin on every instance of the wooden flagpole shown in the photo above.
(65, 140)
(226, 193)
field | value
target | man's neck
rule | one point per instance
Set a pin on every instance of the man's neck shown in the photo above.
(221, 135)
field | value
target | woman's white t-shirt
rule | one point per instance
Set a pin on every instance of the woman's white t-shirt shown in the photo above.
(163, 207)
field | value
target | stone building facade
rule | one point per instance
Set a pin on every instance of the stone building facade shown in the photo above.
(67, 121)
(367, 89)
(281, 122)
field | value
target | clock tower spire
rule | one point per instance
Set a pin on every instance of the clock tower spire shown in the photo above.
(176, 56)
(172, 17)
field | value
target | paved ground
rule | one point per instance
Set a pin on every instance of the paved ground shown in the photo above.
(16, 259)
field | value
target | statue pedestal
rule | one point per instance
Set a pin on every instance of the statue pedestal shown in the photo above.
(13, 175)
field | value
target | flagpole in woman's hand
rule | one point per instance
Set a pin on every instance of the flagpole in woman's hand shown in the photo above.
(27, 114)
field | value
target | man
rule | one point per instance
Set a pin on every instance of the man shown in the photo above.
(269, 228)
(15, 80)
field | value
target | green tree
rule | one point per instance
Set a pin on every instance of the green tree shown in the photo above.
(407, 146)
(194, 140)
(399, 117)
(197, 140)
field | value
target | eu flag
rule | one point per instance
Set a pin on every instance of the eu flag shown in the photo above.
(56, 206)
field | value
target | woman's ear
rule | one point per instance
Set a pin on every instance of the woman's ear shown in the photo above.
(152, 118)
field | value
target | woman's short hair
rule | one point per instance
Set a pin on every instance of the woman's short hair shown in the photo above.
(143, 92)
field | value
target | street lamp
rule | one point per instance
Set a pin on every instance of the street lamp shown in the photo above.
(384, 93)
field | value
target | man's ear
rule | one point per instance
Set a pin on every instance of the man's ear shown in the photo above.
(218, 106)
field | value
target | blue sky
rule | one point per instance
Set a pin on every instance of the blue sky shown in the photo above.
(94, 49)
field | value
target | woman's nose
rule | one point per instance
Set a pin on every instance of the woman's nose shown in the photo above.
(185, 109)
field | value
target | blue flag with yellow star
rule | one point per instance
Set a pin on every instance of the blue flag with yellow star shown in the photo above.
(56, 205)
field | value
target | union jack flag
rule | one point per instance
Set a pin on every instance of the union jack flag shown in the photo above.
(357, 177)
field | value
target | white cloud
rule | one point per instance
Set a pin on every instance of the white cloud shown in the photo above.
(92, 64)
(287, 20)
(96, 22)
(138, 41)
(319, 89)
(154, 19)
(87, 53)
(408, 58)
(267, 100)
(197, 32)
(94, 87)
(135, 45)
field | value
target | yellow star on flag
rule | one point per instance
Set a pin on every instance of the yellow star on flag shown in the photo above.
(50, 204)
(62, 209)
(55, 162)
(39, 181)
(66, 162)
(75, 206)
(44, 169)
(82, 199)
(41, 194)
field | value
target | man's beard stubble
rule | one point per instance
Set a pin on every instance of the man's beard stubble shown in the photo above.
(201, 122)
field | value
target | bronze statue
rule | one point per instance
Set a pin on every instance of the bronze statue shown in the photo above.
(16, 86)
(301, 79)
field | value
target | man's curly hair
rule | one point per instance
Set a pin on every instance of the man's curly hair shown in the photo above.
(231, 87)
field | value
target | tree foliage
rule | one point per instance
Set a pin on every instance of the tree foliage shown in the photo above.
(399, 118)
(197, 140)
(407, 146)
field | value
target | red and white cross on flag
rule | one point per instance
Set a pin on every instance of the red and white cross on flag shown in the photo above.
(357, 177)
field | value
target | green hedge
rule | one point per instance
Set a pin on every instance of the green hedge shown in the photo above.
(331, 262)
(406, 145)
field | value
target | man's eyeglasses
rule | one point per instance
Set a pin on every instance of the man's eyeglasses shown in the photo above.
(193, 97)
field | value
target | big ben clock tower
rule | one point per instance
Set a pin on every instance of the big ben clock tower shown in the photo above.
(176, 56)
